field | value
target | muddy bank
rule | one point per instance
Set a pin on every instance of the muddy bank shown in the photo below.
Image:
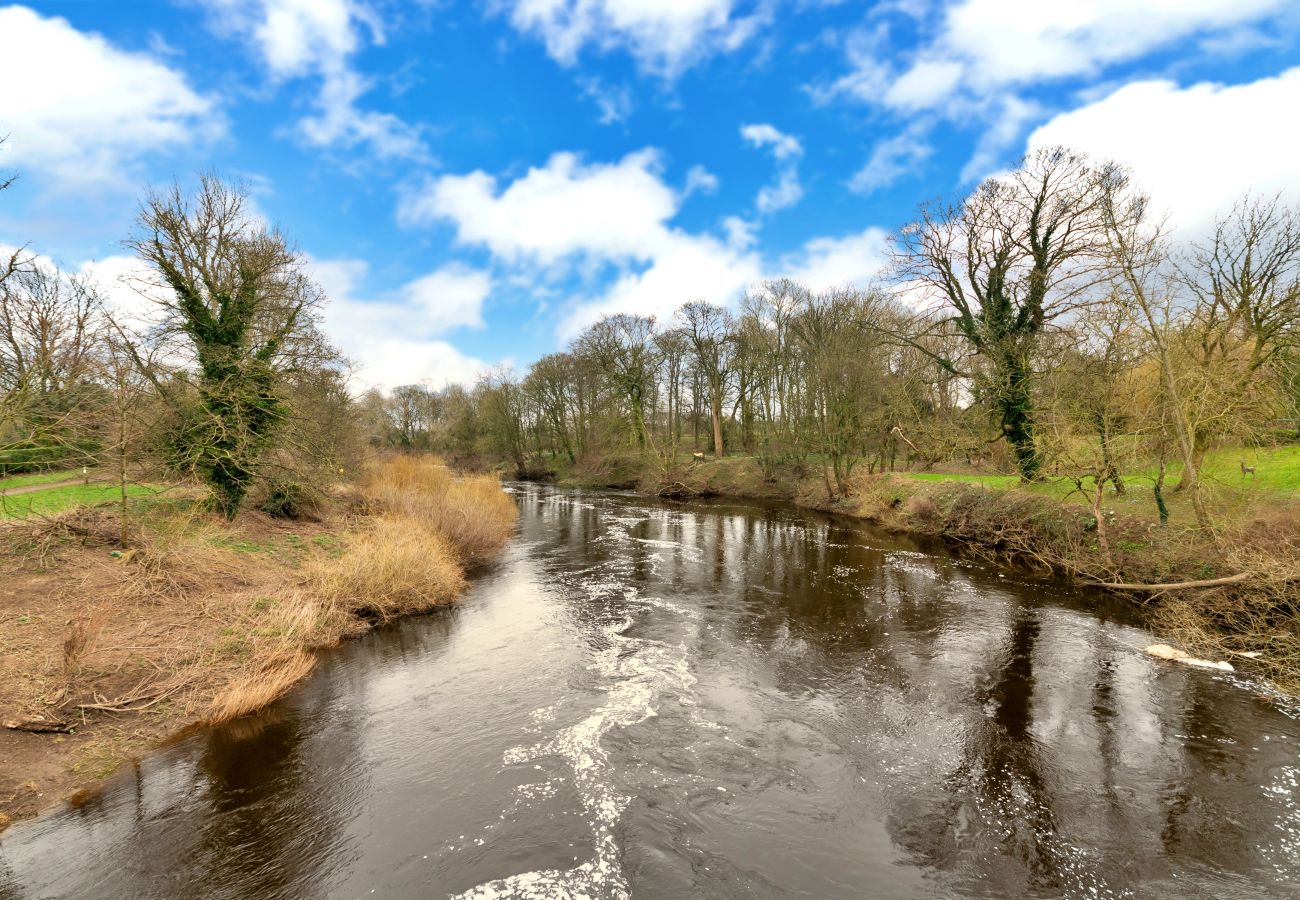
(105, 653)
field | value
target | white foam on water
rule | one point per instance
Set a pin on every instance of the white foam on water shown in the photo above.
(1284, 790)
(638, 672)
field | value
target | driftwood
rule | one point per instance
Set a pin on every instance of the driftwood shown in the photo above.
(1173, 654)
(1176, 585)
(39, 725)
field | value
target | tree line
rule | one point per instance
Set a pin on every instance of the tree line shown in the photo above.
(1047, 323)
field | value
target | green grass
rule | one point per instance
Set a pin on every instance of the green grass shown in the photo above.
(987, 480)
(1229, 493)
(1277, 469)
(22, 481)
(54, 500)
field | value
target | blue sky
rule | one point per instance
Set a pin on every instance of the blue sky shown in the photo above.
(474, 182)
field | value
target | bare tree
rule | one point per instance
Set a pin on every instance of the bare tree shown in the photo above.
(708, 329)
(1139, 261)
(1020, 252)
(50, 335)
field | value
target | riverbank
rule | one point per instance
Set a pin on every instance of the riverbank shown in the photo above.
(1062, 529)
(106, 653)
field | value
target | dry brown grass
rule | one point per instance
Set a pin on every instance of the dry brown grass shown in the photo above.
(472, 513)
(205, 621)
(393, 566)
(179, 556)
(270, 679)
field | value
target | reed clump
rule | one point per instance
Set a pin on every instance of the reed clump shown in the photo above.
(393, 566)
(471, 514)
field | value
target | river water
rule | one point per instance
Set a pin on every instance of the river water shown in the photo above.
(713, 700)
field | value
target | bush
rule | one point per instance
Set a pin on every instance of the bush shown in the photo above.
(283, 499)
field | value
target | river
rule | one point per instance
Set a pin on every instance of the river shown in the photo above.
(717, 700)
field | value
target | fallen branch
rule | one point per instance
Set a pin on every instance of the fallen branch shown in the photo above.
(1176, 585)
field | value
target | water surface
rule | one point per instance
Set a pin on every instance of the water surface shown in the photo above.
(663, 701)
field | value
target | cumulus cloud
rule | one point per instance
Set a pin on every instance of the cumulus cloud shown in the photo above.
(687, 267)
(982, 47)
(395, 339)
(81, 111)
(601, 215)
(664, 36)
(1196, 149)
(620, 215)
(786, 190)
(1001, 42)
(317, 38)
(612, 211)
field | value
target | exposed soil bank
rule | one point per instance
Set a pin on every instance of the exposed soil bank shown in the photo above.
(106, 654)
(1254, 622)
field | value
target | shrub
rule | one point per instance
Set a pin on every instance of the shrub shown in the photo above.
(284, 499)
(394, 566)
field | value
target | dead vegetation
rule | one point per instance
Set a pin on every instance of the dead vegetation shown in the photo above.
(111, 650)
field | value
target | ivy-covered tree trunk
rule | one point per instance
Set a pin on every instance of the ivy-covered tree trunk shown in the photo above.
(238, 407)
(1015, 401)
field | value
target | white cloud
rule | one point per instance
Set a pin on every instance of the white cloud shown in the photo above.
(600, 214)
(451, 297)
(80, 110)
(664, 36)
(129, 287)
(317, 38)
(783, 146)
(786, 191)
(892, 159)
(699, 180)
(394, 339)
(687, 267)
(985, 47)
(614, 211)
(1196, 149)
(1001, 42)
(1010, 117)
(978, 61)
(924, 84)
(613, 101)
(824, 262)
(620, 214)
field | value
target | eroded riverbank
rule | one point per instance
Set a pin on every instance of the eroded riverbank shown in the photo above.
(719, 699)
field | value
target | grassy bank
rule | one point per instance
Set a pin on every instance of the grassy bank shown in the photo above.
(200, 621)
(1052, 527)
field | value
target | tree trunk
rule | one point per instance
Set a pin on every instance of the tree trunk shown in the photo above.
(1017, 408)
(715, 409)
